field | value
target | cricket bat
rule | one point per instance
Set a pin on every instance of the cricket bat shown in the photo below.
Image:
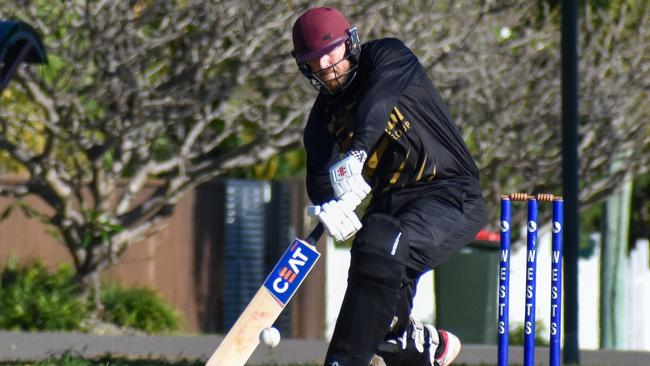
(269, 301)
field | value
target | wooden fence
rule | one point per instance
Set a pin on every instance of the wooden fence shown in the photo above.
(183, 260)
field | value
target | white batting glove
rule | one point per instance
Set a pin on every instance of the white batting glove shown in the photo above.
(338, 217)
(346, 179)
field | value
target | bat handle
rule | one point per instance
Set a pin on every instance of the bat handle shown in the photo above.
(315, 234)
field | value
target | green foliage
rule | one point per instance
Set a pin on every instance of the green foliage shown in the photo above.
(592, 219)
(284, 165)
(100, 228)
(517, 335)
(640, 218)
(69, 359)
(33, 299)
(590, 222)
(138, 307)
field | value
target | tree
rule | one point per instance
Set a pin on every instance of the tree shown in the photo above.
(185, 91)
(497, 64)
(175, 91)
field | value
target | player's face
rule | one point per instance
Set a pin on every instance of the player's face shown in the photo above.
(332, 68)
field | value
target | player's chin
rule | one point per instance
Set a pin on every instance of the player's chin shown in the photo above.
(335, 84)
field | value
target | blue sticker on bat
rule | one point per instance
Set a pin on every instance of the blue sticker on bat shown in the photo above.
(290, 271)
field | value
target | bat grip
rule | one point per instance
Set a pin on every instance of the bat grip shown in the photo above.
(315, 234)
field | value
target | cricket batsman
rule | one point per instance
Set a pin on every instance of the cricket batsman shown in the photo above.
(379, 126)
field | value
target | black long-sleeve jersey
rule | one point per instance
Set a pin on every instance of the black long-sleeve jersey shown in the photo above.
(391, 111)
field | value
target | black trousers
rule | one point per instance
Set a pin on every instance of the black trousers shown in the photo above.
(437, 219)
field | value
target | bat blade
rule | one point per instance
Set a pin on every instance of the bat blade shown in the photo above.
(267, 304)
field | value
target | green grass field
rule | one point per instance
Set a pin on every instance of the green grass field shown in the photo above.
(69, 360)
(109, 361)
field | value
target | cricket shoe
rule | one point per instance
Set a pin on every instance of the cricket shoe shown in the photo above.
(448, 347)
(442, 346)
(421, 344)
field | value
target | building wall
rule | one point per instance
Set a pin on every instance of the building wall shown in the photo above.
(182, 260)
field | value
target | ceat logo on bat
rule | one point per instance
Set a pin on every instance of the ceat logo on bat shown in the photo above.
(290, 271)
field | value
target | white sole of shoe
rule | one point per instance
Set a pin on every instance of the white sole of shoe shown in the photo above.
(453, 349)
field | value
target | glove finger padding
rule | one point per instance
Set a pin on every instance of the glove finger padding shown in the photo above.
(328, 218)
(338, 217)
(350, 222)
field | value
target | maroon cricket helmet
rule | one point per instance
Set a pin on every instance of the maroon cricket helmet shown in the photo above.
(317, 32)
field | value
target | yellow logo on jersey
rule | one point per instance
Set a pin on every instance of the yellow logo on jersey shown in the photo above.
(397, 125)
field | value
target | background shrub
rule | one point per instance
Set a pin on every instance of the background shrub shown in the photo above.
(32, 299)
(138, 307)
(516, 336)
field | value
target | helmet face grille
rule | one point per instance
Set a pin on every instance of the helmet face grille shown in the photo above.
(353, 52)
(343, 80)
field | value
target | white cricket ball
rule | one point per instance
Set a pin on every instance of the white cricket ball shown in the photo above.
(270, 337)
